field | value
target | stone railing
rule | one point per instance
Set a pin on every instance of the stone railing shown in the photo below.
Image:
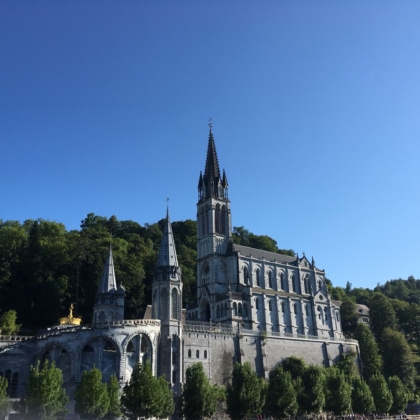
(15, 338)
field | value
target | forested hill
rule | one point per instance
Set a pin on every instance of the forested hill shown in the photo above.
(42, 265)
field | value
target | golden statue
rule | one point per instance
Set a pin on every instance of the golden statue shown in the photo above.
(70, 320)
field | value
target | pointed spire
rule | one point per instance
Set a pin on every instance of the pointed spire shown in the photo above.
(167, 251)
(108, 282)
(225, 183)
(212, 164)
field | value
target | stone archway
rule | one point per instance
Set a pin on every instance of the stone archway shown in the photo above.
(205, 312)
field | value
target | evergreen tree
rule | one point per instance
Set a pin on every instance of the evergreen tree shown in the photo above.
(394, 343)
(45, 398)
(337, 392)
(114, 409)
(348, 314)
(361, 397)
(91, 395)
(399, 395)
(245, 396)
(313, 396)
(143, 396)
(382, 396)
(382, 313)
(281, 395)
(199, 396)
(369, 351)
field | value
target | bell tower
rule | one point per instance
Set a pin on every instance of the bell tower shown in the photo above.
(214, 226)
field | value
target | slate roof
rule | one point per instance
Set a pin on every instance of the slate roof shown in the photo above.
(246, 251)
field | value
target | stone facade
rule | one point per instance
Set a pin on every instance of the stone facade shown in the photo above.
(252, 306)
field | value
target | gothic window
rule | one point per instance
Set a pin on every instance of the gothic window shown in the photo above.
(217, 217)
(205, 354)
(306, 310)
(189, 352)
(320, 284)
(223, 217)
(295, 308)
(338, 318)
(326, 314)
(306, 281)
(320, 314)
(270, 285)
(235, 309)
(173, 376)
(282, 307)
(240, 309)
(282, 281)
(270, 308)
(164, 304)
(246, 275)
(218, 311)
(257, 304)
(197, 354)
(245, 310)
(174, 304)
(257, 276)
(293, 283)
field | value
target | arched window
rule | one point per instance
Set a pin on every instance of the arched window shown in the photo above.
(326, 314)
(245, 310)
(164, 304)
(306, 310)
(174, 304)
(235, 309)
(257, 304)
(218, 311)
(293, 283)
(282, 281)
(223, 217)
(197, 354)
(270, 282)
(282, 307)
(320, 314)
(320, 284)
(217, 217)
(257, 276)
(205, 354)
(337, 316)
(295, 308)
(306, 285)
(240, 309)
(189, 352)
(270, 308)
(246, 275)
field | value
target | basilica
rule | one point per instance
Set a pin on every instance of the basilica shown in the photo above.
(251, 306)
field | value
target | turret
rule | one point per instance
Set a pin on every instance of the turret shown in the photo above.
(109, 301)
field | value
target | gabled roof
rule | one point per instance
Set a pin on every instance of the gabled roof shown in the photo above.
(108, 282)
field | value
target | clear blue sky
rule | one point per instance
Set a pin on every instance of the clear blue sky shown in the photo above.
(316, 109)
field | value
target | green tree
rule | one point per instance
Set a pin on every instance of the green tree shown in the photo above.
(399, 395)
(143, 396)
(394, 343)
(114, 409)
(295, 365)
(361, 397)
(338, 392)
(245, 395)
(369, 351)
(8, 324)
(3, 396)
(313, 396)
(45, 398)
(348, 314)
(381, 394)
(166, 405)
(91, 395)
(281, 395)
(382, 313)
(199, 396)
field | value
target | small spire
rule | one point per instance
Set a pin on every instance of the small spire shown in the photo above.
(313, 262)
(108, 282)
(167, 252)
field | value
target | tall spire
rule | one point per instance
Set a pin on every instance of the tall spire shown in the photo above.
(211, 171)
(108, 282)
(167, 251)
